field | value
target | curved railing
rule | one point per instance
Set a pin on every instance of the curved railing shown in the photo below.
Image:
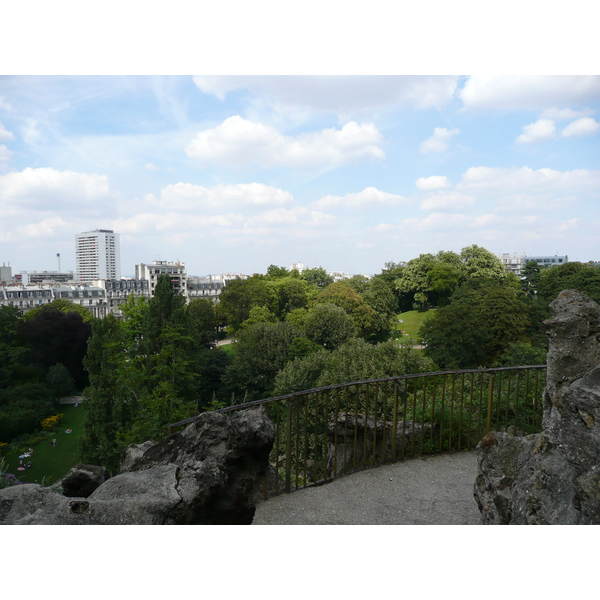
(326, 432)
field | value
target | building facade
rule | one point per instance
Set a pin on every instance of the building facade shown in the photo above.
(176, 271)
(97, 255)
(28, 297)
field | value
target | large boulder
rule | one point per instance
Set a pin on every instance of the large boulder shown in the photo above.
(552, 477)
(209, 473)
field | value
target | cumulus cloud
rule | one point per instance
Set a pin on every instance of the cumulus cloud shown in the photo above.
(30, 132)
(369, 198)
(583, 126)
(189, 197)
(447, 201)
(439, 221)
(49, 189)
(435, 182)
(339, 94)
(564, 114)
(495, 180)
(5, 153)
(527, 92)
(151, 167)
(438, 142)
(238, 141)
(540, 131)
(6, 135)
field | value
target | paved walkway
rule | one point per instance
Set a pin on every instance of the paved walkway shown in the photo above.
(435, 490)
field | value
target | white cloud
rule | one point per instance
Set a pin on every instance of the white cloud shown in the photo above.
(564, 114)
(339, 94)
(527, 92)
(447, 201)
(435, 182)
(5, 153)
(438, 142)
(150, 167)
(497, 181)
(189, 197)
(4, 105)
(5, 134)
(449, 222)
(369, 198)
(238, 141)
(583, 126)
(30, 132)
(49, 189)
(540, 131)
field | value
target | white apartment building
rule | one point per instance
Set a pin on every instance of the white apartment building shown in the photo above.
(176, 271)
(514, 263)
(27, 297)
(97, 255)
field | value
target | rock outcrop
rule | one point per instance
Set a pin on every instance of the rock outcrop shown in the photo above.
(209, 473)
(552, 477)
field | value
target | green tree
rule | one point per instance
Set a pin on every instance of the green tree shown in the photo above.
(261, 351)
(60, 381)
(240, 295)
(110, 404)
(329, 326)
(355, 360)
(202, 322)
(317, 277)
(480, 322)
(570, 276)
(62, 305)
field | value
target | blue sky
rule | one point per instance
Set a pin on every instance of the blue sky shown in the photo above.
(233, 173)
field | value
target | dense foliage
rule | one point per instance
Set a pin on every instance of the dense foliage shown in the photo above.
(41, 359)
(291, 331)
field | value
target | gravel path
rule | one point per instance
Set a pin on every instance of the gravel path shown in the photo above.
(434, 490)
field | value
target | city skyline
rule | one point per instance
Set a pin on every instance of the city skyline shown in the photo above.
(231, 174)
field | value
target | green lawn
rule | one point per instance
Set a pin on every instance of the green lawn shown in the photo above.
(48, 464)
(411, 322)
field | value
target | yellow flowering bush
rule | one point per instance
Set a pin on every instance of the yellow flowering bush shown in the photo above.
(50, 422)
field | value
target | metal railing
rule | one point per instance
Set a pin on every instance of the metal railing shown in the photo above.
(326, 432)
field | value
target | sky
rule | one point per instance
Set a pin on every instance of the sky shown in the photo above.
(234, 173)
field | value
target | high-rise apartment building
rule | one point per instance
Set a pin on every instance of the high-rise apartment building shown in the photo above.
(97, 255)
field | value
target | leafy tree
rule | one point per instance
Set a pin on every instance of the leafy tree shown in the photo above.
(329, 326)
(258, 314)
(570, 276)
(22, 407)
(240, 295)
(110, 405)
(60, 381)
(62, 305)
(521, 354)
(275, 272)
(291, 294)
(202, 322)
(356, 360)
(261, 351)
(52, 336)
(317, 277)
(481, 263)
(365, 319)
(530, 278)
(480, 322)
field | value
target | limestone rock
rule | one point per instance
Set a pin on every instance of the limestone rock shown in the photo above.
(552, 477)
(209, 473)
(82, 480)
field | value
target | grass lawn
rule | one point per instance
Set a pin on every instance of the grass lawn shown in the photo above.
(411, 322)
(228, 348)
(51, 463)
